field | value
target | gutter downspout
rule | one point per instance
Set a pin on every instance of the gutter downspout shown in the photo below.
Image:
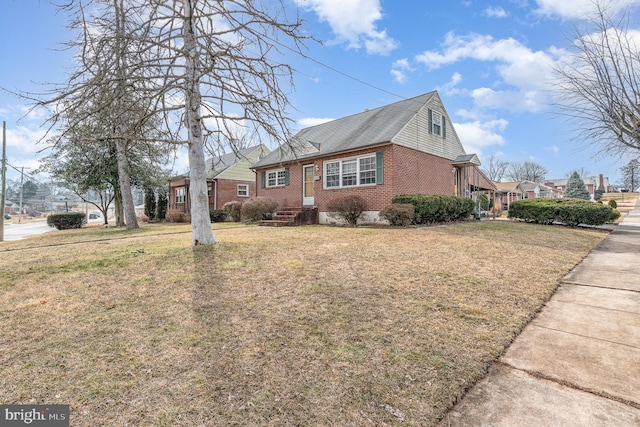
(215, 194)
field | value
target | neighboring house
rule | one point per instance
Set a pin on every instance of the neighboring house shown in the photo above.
(536, 190)
(592, 184)
(509, 192)
(229, 178)
(409, 147)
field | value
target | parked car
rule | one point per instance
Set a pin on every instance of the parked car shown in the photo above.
(7, 216)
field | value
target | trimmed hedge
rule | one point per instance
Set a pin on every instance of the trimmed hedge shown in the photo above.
(568, 211)
(67, 220)
(217, 215)
(432, 208)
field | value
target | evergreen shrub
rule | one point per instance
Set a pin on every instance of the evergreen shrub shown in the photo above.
(217, 215)
(568, 211)
(67, 220)
(434, 208)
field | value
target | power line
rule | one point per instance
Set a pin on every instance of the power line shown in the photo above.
(335, 70)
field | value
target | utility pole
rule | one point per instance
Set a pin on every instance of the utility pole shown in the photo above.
(4, 178)
(21, 180)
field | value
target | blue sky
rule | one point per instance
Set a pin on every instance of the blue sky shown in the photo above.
(489, 60)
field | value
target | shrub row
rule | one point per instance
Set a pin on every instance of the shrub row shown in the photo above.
(432, 208)
(67, 220)
(568, 211)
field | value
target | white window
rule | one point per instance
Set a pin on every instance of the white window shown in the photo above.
(179, 195)
(436, 119)
(243, 190)
(276, 178)
(209, 190)
(350, 172)
(332, 174)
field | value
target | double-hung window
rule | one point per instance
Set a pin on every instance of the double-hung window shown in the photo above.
(437, 123)
(276, 178)
(351, 172)
(180, 195)
(243, 190)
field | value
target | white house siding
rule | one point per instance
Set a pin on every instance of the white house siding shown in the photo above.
(416, 134)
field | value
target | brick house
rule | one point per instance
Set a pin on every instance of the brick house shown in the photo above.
(537, 190)
(592, 184)
(408, 147)
(229, 178)
(509, 192)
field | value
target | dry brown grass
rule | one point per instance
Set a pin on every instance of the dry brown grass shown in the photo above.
(272, 326)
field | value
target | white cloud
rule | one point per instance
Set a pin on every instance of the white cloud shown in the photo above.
(478, 135)
(400, 70)
(495, 12)
(578, 9)
(312, 121)
(354, 21)
(527, 72)
(450, 88)
(554, 149)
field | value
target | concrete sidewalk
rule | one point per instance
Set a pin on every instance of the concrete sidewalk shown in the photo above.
(578, 362)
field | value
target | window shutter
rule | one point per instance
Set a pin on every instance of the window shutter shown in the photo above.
(263, 179)
(379, 167)
(430, 121)
(444, 128)
(286, 176)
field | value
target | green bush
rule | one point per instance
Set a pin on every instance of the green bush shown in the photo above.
(612, 204)
(567, 210)
(398, 214)
(233, 210)
(258, 208)
(348, 208)
(217, 215)
(433, 208)
(67, 220)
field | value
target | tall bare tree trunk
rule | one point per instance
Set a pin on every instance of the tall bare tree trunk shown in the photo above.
(119, 211)
(124, 179)
(198, 198)
(124, 176)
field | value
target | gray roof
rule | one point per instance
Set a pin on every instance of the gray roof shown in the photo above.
(466, 160)
(369, 128)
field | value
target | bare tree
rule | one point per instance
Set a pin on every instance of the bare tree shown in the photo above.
(631, 175)
(209, 67)
(582, 172)
(496, 168)
(214, 62)
(599, 84)
(526, 171)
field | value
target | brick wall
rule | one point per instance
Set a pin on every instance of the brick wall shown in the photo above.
(416, 172)
(406, 171)
(227, 190)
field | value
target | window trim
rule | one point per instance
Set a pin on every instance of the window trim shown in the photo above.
(246, 186)
(276, 172)
(437, 115)
(180, 195)
(358, 176)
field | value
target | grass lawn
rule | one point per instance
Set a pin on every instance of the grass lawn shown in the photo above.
(291, 326)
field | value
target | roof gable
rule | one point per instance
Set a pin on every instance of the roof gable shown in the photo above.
(402, 123)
